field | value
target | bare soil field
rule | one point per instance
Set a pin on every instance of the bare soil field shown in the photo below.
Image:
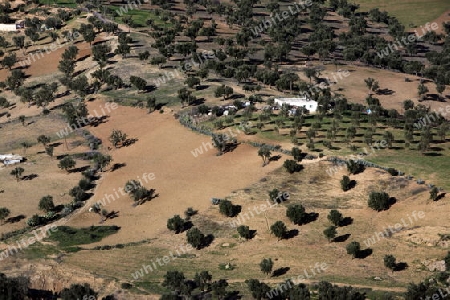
(163, 148)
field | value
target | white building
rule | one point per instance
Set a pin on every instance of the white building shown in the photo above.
(8, 27)
(309, 104)
(10, 159)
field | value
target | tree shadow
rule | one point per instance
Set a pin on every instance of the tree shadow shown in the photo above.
(440, 196)
(15, 219)
(280, 271)
(201, 87)
(235, 209)
(59, 157)
(229, 147)
(30, 177)
(80, 169)
(346, 221)
(58, 208)
(41, 294)
(207, 241)
(385, 92)
(186, 226)
(364, 253)
(310, 217)
(291, 234)
(234, 295)
(341, 238)
(392, 201)
(400, 266)
(54, 145)
(352, 184)
(432, 154)
(117, 166)
(113, 214)
(129, 142)
(252, 234)
(275, 158)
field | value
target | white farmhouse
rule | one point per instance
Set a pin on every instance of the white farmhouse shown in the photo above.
(307, 103)
(12, 27)
(8, 27)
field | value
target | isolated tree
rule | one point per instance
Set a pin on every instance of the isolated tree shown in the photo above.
(244, 231)
(138, 82)
(265, 154)
(137, 192)
(43, 139)
(219, 141)
(310, 73)
(422, 90)
(49, 150)
(296, 214)
(151, 104)
(224, 91)
(258, 289)
(434, 193)
(218, 288)
(291, 166)
(102, 161)
(266, 266)
(67, 67)
(350, 133)
(354, 167)
(335, 217)
(22, 119)
(100, 53)
(4, 102)
(278, 229)
(9, 61)
(19, 41)
(173, 280)
(176, 223)
(345, 183)
(227, 208)
(15, 80)
(77, 193)
(195, 237)
(67, 163)
(389, 262)
(17, 172)
(46, 204)
(369, 82)
(408, 104)
(192, 81)
(389, 138)
(353, 249)
(378, 201)
(296, 153)
(4, 213)
(186, 96)
(117, 138)
(330, 233)
(203, 280)
(88, 34)
(440, 88)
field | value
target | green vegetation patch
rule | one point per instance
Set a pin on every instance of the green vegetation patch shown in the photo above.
(408, 12)
(68, 236)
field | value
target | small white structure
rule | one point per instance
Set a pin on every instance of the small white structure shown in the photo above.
(10, 159)
(8, 27)
(309, 104)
